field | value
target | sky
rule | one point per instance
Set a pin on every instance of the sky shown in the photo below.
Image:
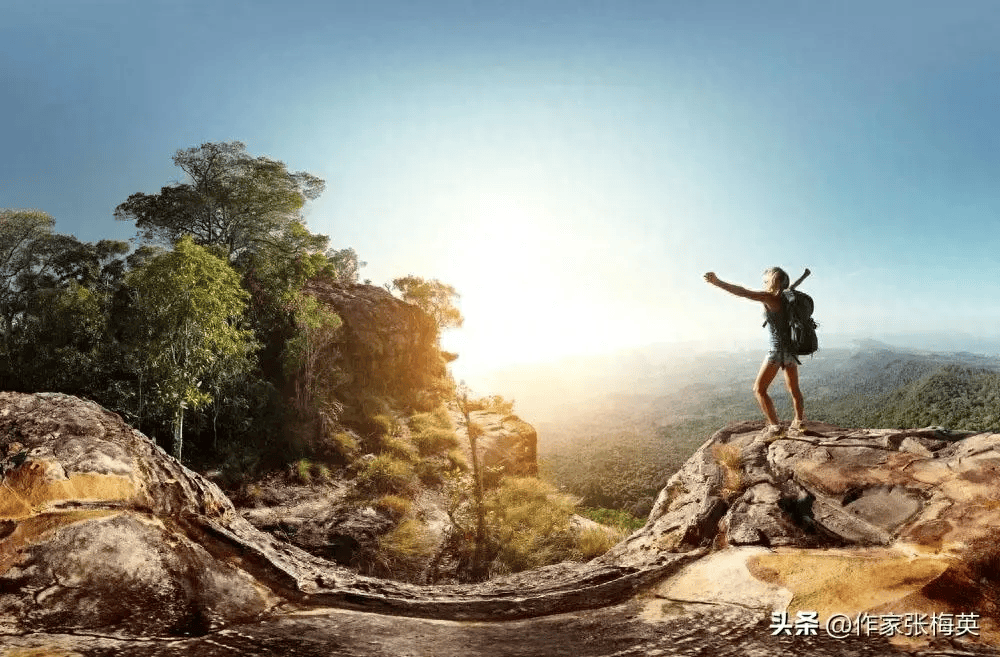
(571, 168)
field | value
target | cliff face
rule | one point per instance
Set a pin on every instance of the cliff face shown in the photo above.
(388, 347)
(106, 542)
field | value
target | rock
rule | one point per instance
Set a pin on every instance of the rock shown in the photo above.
(508, 446)
(95, 533)
(391, 346)
(109, 546)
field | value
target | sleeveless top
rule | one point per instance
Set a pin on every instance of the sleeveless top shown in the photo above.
(777, 324)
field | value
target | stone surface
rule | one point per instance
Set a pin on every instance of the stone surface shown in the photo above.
(108, 546)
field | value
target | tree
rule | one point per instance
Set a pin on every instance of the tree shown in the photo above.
(433, 297)
(185, 309)
(23, 235)
(233, 201)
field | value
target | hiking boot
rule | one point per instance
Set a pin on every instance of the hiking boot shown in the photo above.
(771, 433)
(795, 428)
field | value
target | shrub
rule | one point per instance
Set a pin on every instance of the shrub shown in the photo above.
(384, 424)
(303, 471)
(385, 475)
(398, 447)
(394, 506)
(617, 518)
(434, 440)
(529, 525)
(405, 552)
(437, 419)
(457, 460)
(592, 542)
(344, 445)
(727, 455)
(493, 404)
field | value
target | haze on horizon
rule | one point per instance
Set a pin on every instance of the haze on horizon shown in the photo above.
(571, 168)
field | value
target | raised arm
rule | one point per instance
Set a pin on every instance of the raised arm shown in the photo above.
(754, 295)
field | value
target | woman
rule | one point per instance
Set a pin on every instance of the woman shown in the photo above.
(780, 357)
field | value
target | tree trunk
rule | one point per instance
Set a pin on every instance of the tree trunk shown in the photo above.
(178, 433)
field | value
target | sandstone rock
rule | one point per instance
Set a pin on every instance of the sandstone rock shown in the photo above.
(108, 546)
(507, 448)
(392, 346)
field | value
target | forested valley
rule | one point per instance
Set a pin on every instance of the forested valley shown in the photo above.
(618, 450)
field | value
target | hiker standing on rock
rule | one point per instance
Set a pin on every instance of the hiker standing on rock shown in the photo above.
(781, 356)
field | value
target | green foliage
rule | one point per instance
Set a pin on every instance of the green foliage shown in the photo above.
(384, 424)
(617, 518)
(243, 205)
(385, 474)
(185, 307)
(433, 297)
(303, 471)
(343, 445)
(311, 367)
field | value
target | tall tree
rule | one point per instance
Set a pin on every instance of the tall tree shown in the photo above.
(233, 201)
(185, 311)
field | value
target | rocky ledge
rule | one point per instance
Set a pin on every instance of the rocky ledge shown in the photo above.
(109, 546)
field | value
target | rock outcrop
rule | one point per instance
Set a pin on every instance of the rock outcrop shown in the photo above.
(390, 347)
(508, 446)
(109, 546)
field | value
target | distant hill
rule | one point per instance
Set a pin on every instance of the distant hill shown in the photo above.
(614, 440)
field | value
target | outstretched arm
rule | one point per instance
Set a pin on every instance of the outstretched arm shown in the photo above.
(754, 295)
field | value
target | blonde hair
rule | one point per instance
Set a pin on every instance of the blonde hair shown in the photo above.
(783, 280)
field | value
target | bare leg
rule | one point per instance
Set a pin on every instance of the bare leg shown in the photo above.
(767, 372)
(792, 383)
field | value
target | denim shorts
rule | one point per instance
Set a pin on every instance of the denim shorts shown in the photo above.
(781, 358)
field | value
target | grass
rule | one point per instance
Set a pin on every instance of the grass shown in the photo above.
(727, 455)
(385, 475)
(405, 551)
(592, 542)
(434, 440)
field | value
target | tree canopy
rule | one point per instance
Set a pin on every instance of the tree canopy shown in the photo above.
(433, 297)
(233, 201)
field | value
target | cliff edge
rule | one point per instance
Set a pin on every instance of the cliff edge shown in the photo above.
(109, 546)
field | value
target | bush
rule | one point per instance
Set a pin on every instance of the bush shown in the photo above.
(394, 506)
(529, 525)
(727, 455)
(592, 542)
(384, 425)
(434, 440)
(303, 471)
(344, 445)
(437, 419)
(405, 552)
(457, 460)
(493, 404)
(385, 475)
(398, 447)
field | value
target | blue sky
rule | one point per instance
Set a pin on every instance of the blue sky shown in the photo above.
(572, 168)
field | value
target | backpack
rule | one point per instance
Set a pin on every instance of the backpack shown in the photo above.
(802, 327)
